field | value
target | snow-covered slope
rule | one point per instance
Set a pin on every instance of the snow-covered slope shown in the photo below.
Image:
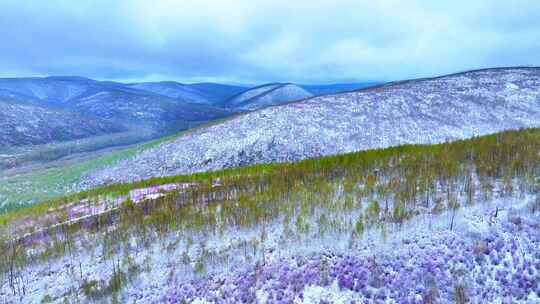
(57, 90)
(173, 90)
(105, 99)
(153, 110)
(267, 95)
(416, 111)
(24, 123)
(203, 93)
(119, 104)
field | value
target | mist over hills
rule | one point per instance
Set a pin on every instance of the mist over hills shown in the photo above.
(415, 111)
(280, 93)
(243, 98)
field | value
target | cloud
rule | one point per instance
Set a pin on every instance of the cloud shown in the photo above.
(259, 41)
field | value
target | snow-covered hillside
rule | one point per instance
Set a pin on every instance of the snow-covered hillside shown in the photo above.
(203, 93)
(29, 123)
(417, 111)
(53, 90)
(452, 223)
(481, 260)
(72, 97)
(267, 95)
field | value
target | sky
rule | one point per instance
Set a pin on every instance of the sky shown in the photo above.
(252, 41)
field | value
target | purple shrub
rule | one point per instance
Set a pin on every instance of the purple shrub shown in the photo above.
(443, 269)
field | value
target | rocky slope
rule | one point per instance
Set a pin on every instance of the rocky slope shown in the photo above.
(416, 111)
(267, 95)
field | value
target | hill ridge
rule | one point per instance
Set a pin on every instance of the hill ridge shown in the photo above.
(430, 110)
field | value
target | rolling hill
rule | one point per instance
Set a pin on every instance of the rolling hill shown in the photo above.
(200, 93)
(430, 110)
(116, 103)
(108, 100)
(453, 222)
(159, 107)
(28, 123)
(267, 95)
(142, 108)
(46, 119)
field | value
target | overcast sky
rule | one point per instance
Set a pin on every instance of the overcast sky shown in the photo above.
(254, 41)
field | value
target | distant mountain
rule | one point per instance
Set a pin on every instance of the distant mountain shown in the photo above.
(141, 107)
(56, 90)
(116, 104)
(200, 93)
(160, 106)
(415, 111)
(267, 95)
(27, 123)
(219, 92)
(336, 88)
(61, 109)
(243, 98)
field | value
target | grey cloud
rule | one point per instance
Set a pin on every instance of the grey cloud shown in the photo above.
(256, 41)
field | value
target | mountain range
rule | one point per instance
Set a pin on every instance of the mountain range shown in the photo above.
(417, 111)
(80, 100)
(267, 95)
(199, 93)
(23, 123)
(77, 107)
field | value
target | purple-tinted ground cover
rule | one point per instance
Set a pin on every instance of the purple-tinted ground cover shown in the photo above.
(502, 266)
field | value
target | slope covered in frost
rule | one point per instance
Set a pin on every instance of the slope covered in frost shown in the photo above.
(500, 266)
(203, 93)
(123, 107)
(417, 111)
(267, 95)
(26, 123)
(451, 223)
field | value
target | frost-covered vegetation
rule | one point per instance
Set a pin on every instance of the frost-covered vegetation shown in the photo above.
(424, 111)
(500, 266)
(284, 230)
